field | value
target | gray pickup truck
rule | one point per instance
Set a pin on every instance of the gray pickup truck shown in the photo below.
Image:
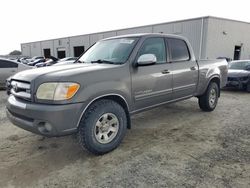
(115, 78)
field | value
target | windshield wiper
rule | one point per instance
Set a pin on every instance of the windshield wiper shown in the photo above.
(78, 61)
(104, 61)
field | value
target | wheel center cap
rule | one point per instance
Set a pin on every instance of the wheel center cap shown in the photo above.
(105, 127)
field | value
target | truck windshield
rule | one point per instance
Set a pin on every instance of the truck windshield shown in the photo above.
(113, 51)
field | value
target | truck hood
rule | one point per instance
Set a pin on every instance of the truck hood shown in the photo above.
(65, 70)
(237, 73)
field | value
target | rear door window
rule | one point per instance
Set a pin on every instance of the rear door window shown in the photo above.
(178, 49)
(8, 64)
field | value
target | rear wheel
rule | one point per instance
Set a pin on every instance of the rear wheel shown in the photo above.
(103, 127)
(209, 99)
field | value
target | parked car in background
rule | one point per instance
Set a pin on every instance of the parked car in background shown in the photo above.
(13, 58)
(29, 60)
(65, 62)
(68, 59)
(35, 58)
(24, 60)
(44, 64)
(49, 61)
(239, 74)
(54, 61)
(33, 63)
(9, 68)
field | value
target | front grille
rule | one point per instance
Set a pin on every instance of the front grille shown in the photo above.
(232, 79)
(20, 89)
(244, 78)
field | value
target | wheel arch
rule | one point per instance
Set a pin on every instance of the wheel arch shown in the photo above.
(203, 88)
(215, 79)
(114, 97)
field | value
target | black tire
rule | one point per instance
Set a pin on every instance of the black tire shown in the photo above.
(204, 100)
(87, 133)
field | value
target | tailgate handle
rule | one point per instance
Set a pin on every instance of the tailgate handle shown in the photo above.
(165, 72)
(192, 68)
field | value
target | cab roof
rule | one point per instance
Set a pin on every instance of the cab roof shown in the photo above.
(146, 35)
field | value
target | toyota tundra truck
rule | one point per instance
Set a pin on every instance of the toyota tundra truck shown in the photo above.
(114, 79)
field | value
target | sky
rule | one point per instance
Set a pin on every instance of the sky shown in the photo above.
(24, 21)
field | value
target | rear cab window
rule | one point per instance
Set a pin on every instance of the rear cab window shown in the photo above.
(178, 50)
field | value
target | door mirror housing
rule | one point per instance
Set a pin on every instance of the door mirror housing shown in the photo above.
(146, 59)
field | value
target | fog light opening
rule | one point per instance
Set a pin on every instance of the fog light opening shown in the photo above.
(44, 127)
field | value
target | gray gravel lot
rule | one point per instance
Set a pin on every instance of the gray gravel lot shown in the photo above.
(175, 145)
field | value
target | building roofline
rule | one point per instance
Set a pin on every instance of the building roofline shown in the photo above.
(148, 25)
(228, 19)
(115, 30)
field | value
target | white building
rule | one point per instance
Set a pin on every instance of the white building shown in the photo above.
(211, 37)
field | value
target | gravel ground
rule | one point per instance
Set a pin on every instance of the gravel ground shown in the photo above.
(175, 145)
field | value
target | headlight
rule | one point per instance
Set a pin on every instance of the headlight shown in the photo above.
(57, 91)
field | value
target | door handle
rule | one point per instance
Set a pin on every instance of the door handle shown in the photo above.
(192, 68)
(165, 72)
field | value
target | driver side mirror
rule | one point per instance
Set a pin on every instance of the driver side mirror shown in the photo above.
(146, 59)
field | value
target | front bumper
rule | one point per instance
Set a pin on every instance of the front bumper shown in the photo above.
(43, 119)
(237, 83)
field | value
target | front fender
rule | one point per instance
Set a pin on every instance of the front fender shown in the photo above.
(102, 89)
(92, 93)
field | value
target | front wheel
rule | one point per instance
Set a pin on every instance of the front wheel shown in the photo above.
(102, 127)
(209, 99)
